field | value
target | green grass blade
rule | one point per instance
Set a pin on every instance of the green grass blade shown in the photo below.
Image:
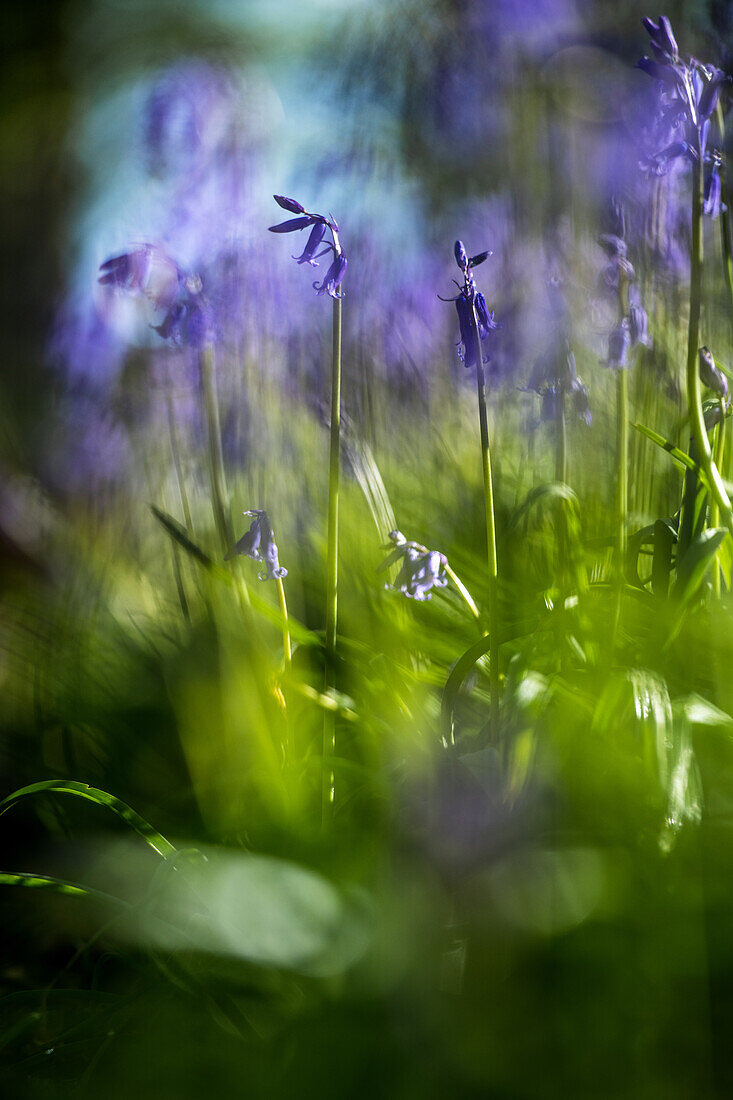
(57, 886)
(102, 798)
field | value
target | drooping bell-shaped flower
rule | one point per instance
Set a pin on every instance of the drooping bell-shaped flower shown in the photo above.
(474, 317)
(319, 225)
(710, 375)
(175, 295)
(259, 544)
(420, 571)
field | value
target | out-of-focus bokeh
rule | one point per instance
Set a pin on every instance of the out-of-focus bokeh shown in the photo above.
(545, 913)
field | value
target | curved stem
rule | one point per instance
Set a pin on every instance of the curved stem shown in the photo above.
(490, 528)
(463, 592)
(329, 726)
(694, 389)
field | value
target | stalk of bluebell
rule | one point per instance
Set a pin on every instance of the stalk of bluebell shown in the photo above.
(690, 93)
(475, 322)
(329, 718)
(319, 224)
(725, 227)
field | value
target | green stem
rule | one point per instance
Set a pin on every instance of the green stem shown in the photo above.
(328, 791)
(622, 466)
(463, 592)
(725, 238)
(714, 508)
(561, 476)
(490, 530)
(287, 649)
(216, 455)
(694, 389)
(177, 464)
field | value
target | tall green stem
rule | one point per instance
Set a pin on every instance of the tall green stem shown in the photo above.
(490, 529)
(694, 389)
(287, 649)
(622, 440)
(561, 476)
(328, 791)
(725, 239)
(622, 466)
(714, 509)
(216, 455)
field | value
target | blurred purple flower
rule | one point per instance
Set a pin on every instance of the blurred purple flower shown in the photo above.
(259, 544)
(148, 271)
(420, 570)
(710, 375)
(688, 92)
(619, 344)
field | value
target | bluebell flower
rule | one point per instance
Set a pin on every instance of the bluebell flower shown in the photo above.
(471, 307)
(420, 570)
(259, 544)
(688, 93)
(712, 199)
(619, 345)
(319, 224)
(638, 324)
(332, 278)
(710, 375)
(554, 376)
(175, 295)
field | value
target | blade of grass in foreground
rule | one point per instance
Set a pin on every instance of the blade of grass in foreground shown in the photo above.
(63, 786)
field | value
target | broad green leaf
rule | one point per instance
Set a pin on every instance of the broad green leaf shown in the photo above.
(695, 562)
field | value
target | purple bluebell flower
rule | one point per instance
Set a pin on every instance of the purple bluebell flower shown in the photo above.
(712, 200)
(688, 94)
(710, 375)
(638, 325)
(259, 544)
(332, 278)
(662, 38)
(420, 570)
(619, 344)
(473, 313)
(175, 295)
(310, 255)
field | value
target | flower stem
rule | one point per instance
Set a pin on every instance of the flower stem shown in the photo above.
(287, 650)
(216, 455)
(561, 476)
(725, 227)
(490, 529)
(714, 508)
(328, 791)
(622, 466)
(694, 389)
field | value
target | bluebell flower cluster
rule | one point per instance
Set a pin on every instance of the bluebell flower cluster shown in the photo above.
(688, 94)
(420, 569)
(176, 296)
(319, 225)
(473, 314)
(259, 544)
